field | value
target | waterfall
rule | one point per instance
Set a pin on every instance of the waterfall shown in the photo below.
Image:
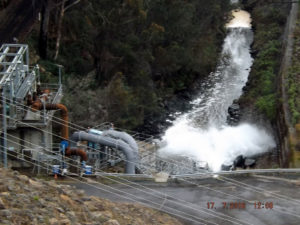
(202, 133)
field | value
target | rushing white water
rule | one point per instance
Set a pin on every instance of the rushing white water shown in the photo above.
(203, 133)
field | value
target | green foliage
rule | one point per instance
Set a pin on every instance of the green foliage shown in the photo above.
(269, 26)
(267, 104)
(159, 47)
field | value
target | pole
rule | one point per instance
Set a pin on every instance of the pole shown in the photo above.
(4, 128)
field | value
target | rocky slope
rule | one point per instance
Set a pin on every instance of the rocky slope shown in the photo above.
(25, 200)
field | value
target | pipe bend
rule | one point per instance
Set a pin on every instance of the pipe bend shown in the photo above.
(38, 105)
(78, 152)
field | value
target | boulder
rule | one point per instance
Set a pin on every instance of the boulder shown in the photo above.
(249, 162)
(239, 161)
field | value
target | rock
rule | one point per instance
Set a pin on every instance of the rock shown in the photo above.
(161, 177)
(5, 213)
(249, 162)
(239, 161)
(86, 199)
(2, 206)
(16, 173)
(60, 210)
(53, 221)
(72, 216)
(65, 222)
(226, 167)
(111, 222)
(3, 188)
(5, 193)
(35, 184)
(91, 206)
(98, 216)
(23, 178)
(108, 214)
(234, 114)
(67, 199)
(24, 198)
(80, 192)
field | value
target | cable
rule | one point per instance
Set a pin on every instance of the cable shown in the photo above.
(170, 196)
(125, 193)
(136, 185)
(178, 178)
(186, 167)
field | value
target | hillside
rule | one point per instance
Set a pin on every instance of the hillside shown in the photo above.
(125, 60)
(25, 200)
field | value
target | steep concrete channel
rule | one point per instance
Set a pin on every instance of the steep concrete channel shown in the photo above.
(284, 124)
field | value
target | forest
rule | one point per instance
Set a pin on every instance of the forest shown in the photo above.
(122, 59)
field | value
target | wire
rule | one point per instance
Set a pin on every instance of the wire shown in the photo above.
(175, 197)
(185, 179)
(135, 184)
(126, 194)
(186, 167)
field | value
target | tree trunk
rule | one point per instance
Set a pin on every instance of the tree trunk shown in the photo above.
(44, 28)
(60, 20)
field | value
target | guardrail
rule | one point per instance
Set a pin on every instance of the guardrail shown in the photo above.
(255, 171)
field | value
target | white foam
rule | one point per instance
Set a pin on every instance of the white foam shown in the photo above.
(215, 146)
(209, 142)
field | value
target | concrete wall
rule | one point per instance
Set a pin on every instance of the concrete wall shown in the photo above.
(28, 138)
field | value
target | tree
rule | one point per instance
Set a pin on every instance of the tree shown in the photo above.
(63, 8)
(46, 8)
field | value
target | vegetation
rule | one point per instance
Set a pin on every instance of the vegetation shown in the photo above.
(269, 26)
(141, 51)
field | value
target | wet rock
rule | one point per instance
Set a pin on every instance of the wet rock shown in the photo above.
(234, 114)
(226, 167)
(239, 161)
(249, 162)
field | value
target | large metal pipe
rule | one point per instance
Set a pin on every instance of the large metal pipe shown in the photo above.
(38, 105)
(76, 151)
(124, 137)
(130, 154)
